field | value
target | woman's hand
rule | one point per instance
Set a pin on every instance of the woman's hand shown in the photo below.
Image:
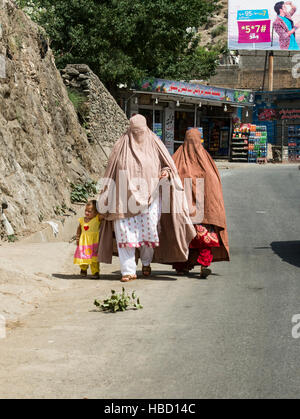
(293, 30)
(164, 174)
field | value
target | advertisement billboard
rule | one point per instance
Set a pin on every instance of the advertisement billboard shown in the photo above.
(264, 25)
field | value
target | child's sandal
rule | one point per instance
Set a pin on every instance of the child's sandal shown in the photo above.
(128, 278)
(146, 270)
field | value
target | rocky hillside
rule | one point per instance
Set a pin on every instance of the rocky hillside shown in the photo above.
(42, 145)
(215, 31)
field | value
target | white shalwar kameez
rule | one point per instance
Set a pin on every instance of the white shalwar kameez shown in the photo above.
(138, 232)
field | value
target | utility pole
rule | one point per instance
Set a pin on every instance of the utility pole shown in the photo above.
(271, 71)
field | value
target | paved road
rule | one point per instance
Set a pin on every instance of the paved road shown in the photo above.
(226, 337)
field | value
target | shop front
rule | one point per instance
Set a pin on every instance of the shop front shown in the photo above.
(279, 111)
(171, 108)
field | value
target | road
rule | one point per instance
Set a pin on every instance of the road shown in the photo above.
(226, 337)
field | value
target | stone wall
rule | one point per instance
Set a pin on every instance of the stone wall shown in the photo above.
(43, 147)
(103, 119)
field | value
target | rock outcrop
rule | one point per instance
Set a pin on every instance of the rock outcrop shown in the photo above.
(42, 144)
(215, 30)
(102, 117)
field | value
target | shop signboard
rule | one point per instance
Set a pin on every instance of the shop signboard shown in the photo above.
(263, 25)
(271, 114)
(243, 96)
(195, 90)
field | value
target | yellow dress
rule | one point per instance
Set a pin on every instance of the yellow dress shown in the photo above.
(87, 250)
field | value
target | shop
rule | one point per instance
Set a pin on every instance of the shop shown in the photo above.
(249, 143)
(171, 108)
(279, 111)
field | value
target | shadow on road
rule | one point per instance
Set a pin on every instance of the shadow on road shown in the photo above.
(288, 251)
(65, 276)
(74, 277)
(156, 276)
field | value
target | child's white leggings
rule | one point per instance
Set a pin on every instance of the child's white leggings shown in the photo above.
(127, 258)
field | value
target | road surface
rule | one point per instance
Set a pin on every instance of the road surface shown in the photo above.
(226, 337)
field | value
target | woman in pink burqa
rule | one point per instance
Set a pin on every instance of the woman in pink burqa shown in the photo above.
(135, 219)
(211, 241)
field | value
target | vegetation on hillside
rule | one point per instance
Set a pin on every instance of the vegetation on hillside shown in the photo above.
(125, 40)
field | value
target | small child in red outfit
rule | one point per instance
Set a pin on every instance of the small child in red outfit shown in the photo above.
(200, 251)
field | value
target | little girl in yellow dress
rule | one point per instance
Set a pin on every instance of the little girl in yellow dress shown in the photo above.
(87, 239)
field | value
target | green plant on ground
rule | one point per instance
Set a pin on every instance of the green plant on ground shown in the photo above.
(12, 238)
(119, 302)
(81, 192)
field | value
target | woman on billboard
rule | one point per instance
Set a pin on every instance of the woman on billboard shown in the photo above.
(284, 25)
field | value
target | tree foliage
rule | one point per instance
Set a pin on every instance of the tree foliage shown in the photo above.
(125, 40)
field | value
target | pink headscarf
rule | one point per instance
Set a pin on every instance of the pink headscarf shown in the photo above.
(139, 154)
(142, 154)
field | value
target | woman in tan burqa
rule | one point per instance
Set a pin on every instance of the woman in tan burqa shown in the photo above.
(211, 243)
(131, 204)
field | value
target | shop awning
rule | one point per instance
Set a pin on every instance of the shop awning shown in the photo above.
(194, 92)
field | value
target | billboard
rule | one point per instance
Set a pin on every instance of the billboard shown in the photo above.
(264, 25)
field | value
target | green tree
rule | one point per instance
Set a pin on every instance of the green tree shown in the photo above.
(125, 40)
